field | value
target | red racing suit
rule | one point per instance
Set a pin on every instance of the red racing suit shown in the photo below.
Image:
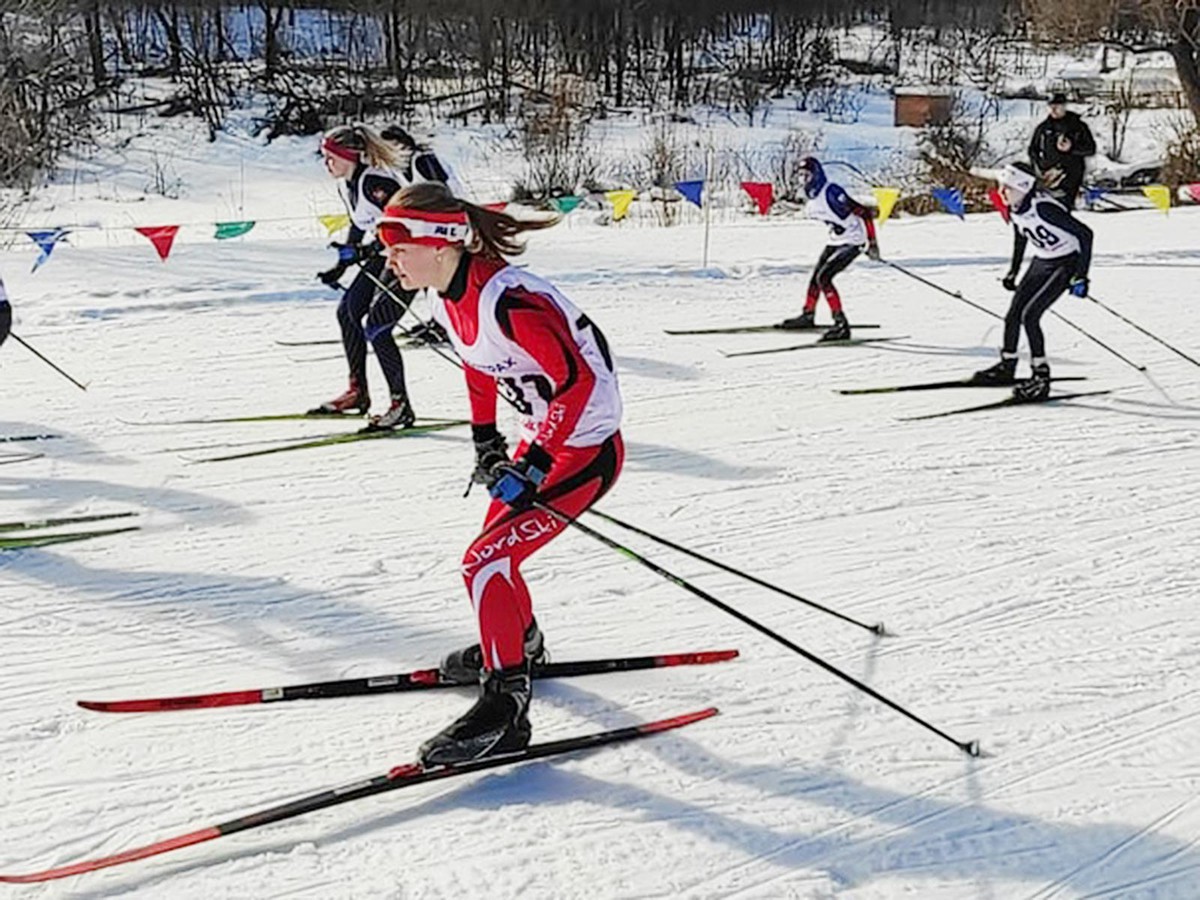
(516, 332)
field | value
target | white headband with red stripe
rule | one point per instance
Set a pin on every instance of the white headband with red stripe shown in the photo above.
(401, 225)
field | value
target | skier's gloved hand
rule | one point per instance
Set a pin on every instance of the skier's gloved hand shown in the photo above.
(873, 251)
(1079, 286)
(491, 450)
(517, 483)
(331, 277)
(350, 254)
(1010, 281)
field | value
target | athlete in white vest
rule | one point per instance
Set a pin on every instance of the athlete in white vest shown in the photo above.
(514, 332)
(851, 226)
(1062, 254)
(363, 164)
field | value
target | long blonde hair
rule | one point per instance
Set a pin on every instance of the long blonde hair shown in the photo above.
(493, 233)
(375, 150)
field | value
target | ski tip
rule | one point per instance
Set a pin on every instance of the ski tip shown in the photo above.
(679, 721)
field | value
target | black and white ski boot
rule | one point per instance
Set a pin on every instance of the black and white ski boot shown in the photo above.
(1002, 373)
(465, 666)
(1036, 387)
(802, 322)
(840, 330)
(498, 723)
(399, 415)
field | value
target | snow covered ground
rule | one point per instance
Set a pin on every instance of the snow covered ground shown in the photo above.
(1037, 566)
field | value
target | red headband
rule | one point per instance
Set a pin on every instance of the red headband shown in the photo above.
(401, 225)
(329, 145)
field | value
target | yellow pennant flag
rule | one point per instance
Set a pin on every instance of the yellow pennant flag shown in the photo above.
(886, 197)
(335, 222)
(1159, 195)
(620, 201)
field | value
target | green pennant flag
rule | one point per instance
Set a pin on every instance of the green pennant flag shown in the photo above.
(564, 205)
(227, 230)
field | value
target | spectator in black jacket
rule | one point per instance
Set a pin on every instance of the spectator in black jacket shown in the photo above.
(1059, 147)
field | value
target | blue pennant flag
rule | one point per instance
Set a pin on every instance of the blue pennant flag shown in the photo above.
(692, 190)
(951, 199)
(46, 241)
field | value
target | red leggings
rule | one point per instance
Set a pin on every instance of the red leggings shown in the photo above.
(491, 566)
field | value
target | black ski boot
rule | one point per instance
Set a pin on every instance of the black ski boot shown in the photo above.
(498, 723)
(802, 322)
(1036, 387)
(840, 330)
(465, 666)
(1002, 373)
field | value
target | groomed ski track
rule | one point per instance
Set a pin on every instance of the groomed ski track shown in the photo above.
(1037, 568)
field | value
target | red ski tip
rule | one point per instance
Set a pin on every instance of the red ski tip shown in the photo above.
(679, 721)
(175, 843)
(701, 658)
(159, 704)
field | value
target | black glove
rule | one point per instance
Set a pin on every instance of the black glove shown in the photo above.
(1010, 281)
(517, 483)
(331, 277)
(491, 450)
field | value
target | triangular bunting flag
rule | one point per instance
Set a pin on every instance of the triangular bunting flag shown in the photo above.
(762, 193)
(1159, 195)
(998, 202)
(161, 236)
(563, 205)
(334, 222)
(620, 201)
(693, 191)
(951, 199)
(46, 242)
(1194, 190)
(227, 230)
(886, 197)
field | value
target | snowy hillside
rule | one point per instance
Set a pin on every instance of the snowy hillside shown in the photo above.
(1037, 567)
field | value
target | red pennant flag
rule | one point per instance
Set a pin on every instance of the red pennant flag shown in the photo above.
(1194, 190)
(998, 202)
(762, 193)
(161, 236)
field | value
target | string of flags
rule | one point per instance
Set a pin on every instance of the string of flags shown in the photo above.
(760, 193)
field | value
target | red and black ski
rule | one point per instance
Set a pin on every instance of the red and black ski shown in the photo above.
(422, 679)
(400, 777)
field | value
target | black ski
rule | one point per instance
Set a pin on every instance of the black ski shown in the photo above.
(400, 777)
(755, 329)
(939, 385)
(335, 439)
(419, 680)
(848, 342)
(62, 520)
(30, 541)
(29, 437)
(8, 459)
(1001, 404)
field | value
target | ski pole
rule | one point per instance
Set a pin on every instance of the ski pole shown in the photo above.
(876, 629)
(969, 747)
(937, 287)
(1096, 340)
(383, 287)
(1148, 334)
(24, 343)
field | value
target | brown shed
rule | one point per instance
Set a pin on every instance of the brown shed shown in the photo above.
(918, 107)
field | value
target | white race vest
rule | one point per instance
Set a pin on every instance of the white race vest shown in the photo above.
(1047, 241)
(520, 376)
(363, 212)
(847, 230)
